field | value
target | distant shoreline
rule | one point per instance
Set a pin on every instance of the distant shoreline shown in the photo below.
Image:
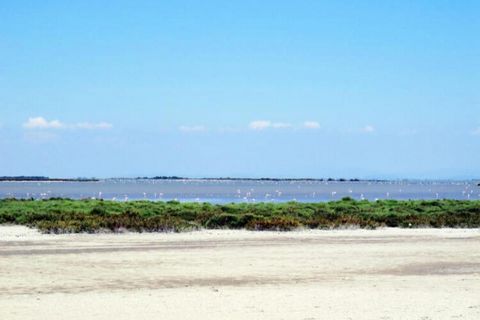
(48, 179)
(250, 179)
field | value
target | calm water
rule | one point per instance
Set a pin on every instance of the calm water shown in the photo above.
(242, 191)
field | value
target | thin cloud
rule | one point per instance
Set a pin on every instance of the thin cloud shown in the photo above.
(476, 132)
(42, 123)
(259, 124)
(266, 124)
(196, 128)
(368, 129)
(311, 125)
(281, 125)
(229, 129)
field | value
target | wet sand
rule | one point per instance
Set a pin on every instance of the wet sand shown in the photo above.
(342, 274)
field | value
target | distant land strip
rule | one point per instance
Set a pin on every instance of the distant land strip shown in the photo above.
(250, 179)
(48, 179)
(42, 179)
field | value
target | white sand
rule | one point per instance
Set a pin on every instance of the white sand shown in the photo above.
(343, 274)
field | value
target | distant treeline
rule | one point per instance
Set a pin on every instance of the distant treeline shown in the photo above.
(64, 215)
(161, 178)
(252, 179)
(41, 178)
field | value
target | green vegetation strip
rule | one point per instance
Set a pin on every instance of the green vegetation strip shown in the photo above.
(64, 215)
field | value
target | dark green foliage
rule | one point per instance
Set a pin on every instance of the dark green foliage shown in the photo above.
(282, 223)
(64, 215)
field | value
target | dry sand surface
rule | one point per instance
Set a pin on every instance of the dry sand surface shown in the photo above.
(344, 274)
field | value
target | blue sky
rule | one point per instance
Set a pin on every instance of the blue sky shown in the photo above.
(240, 88)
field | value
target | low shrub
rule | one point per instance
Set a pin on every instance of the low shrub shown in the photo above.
(65, 215)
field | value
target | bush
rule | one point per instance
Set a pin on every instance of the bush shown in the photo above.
(274, 224)
(63, 215)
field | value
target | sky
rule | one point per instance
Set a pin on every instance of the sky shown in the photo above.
(366, 89)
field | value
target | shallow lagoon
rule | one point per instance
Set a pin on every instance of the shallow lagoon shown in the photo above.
(225, 191)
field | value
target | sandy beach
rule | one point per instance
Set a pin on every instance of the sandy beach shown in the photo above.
(342, 274)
